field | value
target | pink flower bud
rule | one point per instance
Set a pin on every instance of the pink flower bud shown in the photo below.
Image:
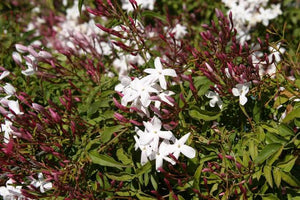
(21, 48)
(17, 57)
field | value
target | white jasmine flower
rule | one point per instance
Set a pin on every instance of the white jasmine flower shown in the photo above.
(6, 128)
(15, 107)
(215, 98)
(145, 149)
(180, 31)
(241, 90)
(162, 154)
(31, 64)
(138, 88)
(163, 96)
(9, 89)
(180, 147)
(146, 4)
(41, 183)
(10, 192)
(159, 73)
(153, 133)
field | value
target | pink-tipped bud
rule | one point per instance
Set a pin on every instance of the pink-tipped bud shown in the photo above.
(21, 48)
(55, 115)
(17, 57)
(120, 117)
(44, 54)
(229, 157)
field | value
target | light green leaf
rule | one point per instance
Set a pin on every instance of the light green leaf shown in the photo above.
(275, 156)
(268, 175)
(144, 169)
(120, 176)
(284, 130)
(291, 180)
(277, 176)
(253, 149)
(104, 160)
(108, 131)
(295, 113)
(287, 165)
(270, 197)
(197, 176)
(153, 182)
(123, 157)
(269, 150)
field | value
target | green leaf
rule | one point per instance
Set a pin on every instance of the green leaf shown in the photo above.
(287, 165)
(270, 197)
(142, 197)
(123, 157)
(197, 176)
(277, 176)
(268, 175)
(284, 130)
(80, 3)
(204, 115)
(108, 131)
(274, 157)
(153, 182)
(269, 150)
(104, 160)
(295, 113)
(253, 149)
(144, 169)
(152, 14)
(291, 180)
(123, 176)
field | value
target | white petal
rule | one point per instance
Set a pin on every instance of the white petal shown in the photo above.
(243, 100)
(188, 151)
(162, 82)
(157, 63)
(236, 92)
(169, 72)
(183, 139)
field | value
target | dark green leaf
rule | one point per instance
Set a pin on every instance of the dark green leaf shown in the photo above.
(80, 3)
(269, 150)
(204, 115)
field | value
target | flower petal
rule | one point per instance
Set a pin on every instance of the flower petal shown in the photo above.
(188, 151)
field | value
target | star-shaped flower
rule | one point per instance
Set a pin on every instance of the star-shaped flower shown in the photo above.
(241, 90)
(153, 132)
(180, 147)
(215, 99)
(41, 183)
(159, 73)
